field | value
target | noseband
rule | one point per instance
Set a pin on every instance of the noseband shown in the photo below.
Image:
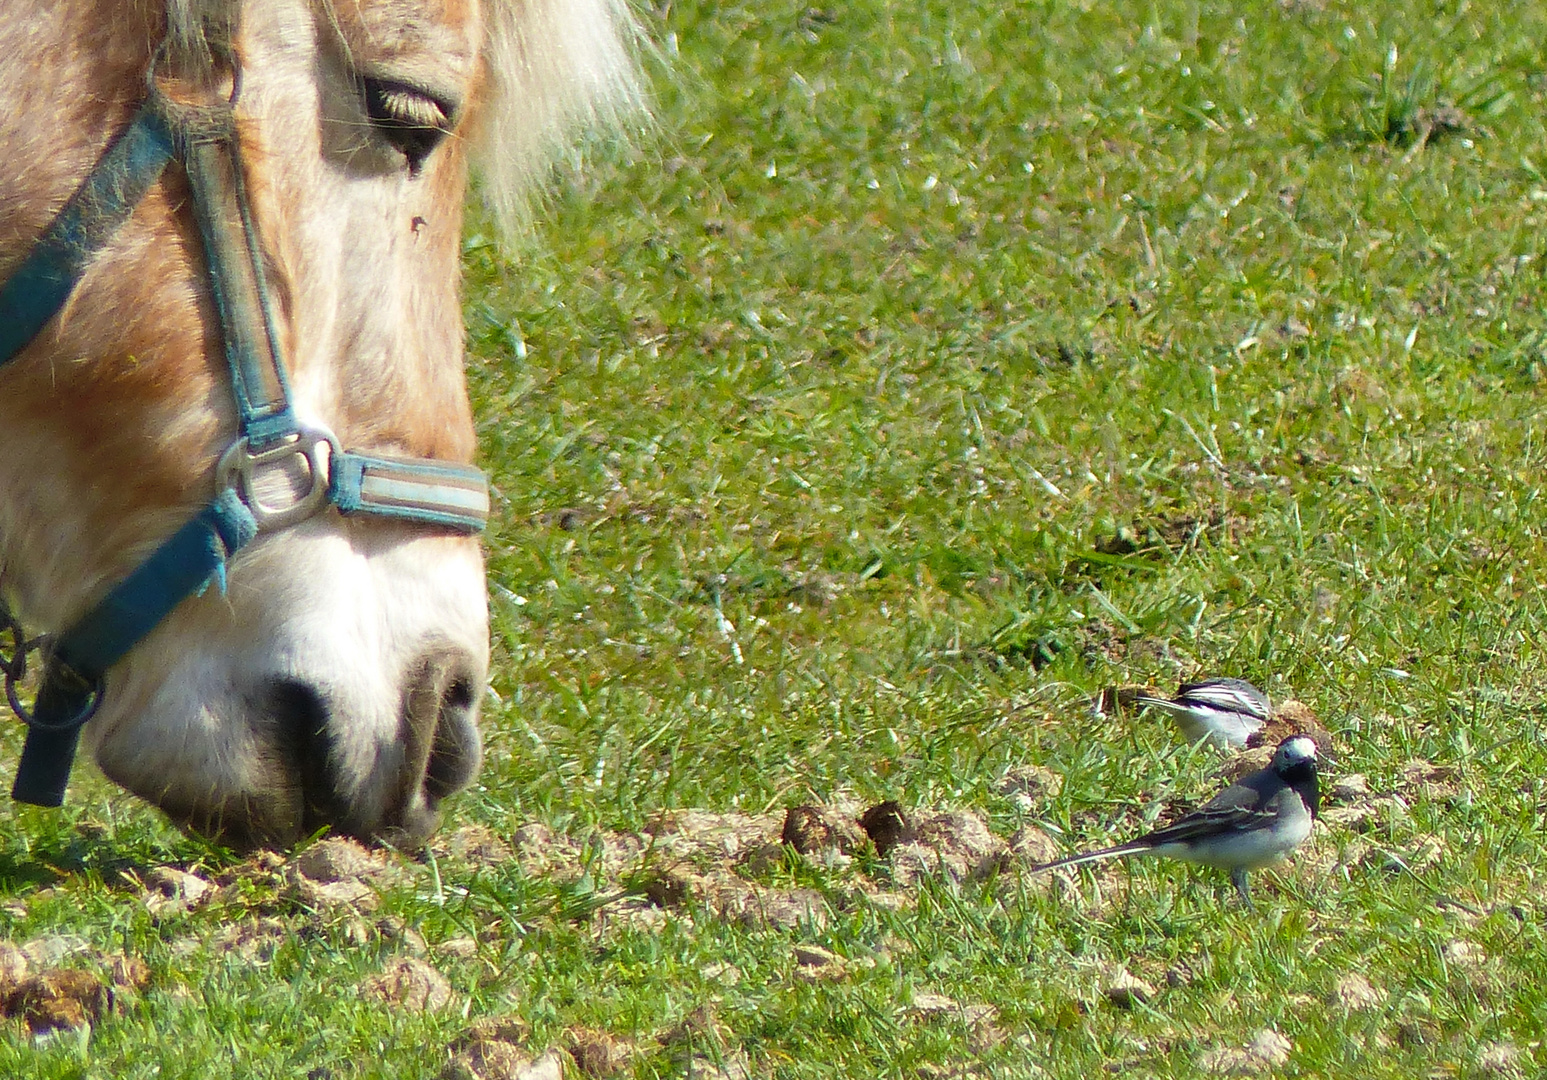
(271, 443)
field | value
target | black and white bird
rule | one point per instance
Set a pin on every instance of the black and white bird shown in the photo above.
(1226, 712)
(1253, 823)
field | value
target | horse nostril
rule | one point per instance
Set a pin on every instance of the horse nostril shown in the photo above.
(396, 796)
(456, 751)
(440, 736)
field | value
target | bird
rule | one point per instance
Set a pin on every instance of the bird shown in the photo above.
(1226, 712)
(1253, 823)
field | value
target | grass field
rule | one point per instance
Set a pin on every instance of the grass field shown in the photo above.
(928, 369)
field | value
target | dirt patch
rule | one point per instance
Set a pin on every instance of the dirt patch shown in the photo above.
(1355, 993)
(254, 940)
(1293, 717)
(813, 830)
(14, 967)
(1245, 763)
(956, 845)
(1126, 991)
(1030, 787)
(1501, 1059)
(61, 999)
(1377, 813)
(170, 891)
(598, 1054)
(339, 859)
(410, 983)
(690, 863)
(755, 906)
(540, 851)
(457, 948)
(981, 1021)
(699, 835)
(1353, 787)
(340, 873)
(1267, 1051)
(1030, 846)
(498, 1059)
(476, 844)
(1426, 780)
(816, 964)
(50, 950)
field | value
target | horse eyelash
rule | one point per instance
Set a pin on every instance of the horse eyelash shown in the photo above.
(413, 121)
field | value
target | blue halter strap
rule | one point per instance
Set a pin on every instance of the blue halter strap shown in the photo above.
(270, 440)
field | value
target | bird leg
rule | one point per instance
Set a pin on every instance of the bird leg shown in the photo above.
(1238, 879)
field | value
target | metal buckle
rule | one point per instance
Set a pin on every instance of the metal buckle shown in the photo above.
(239, 469)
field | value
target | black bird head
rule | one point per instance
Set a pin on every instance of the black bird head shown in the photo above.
(1295, 763)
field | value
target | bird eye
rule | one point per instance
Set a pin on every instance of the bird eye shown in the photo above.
(413, 121)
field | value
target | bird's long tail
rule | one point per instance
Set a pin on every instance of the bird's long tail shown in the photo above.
(1160, 703)
(1133, 847)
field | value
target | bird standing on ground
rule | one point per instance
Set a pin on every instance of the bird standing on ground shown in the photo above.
(1251, 824)
(1226, 712)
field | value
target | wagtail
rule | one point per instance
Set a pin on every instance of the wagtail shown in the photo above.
(1226, 712)
(1251, 824)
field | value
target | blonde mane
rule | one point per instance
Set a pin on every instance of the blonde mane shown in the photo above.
(558, 68)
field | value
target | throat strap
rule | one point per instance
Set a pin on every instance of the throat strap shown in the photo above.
(44, 281)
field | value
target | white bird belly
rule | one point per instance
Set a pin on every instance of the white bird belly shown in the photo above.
(1248, 850)
(1230, 730)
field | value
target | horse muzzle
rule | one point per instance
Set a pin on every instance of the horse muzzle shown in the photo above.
(335, 687)
(320, 767)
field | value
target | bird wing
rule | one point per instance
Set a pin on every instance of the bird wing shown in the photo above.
(1253, 802)
(1236, 695)
(1160, 703)
(1210, 821)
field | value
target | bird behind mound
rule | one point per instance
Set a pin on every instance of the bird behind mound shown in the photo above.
(1226, 712)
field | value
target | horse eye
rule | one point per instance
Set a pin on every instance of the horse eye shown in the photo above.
(410, 119)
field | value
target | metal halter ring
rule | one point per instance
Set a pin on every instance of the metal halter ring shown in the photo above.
(14, 667)
(69, 723)
(240, 467)
(14, 664)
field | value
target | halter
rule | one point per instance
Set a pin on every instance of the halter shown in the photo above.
(271, 443)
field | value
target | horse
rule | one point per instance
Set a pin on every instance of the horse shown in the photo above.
(267, 309)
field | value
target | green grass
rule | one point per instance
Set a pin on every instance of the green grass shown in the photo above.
(930, 368)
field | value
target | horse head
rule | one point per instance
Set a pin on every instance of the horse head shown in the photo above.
(331, 677)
